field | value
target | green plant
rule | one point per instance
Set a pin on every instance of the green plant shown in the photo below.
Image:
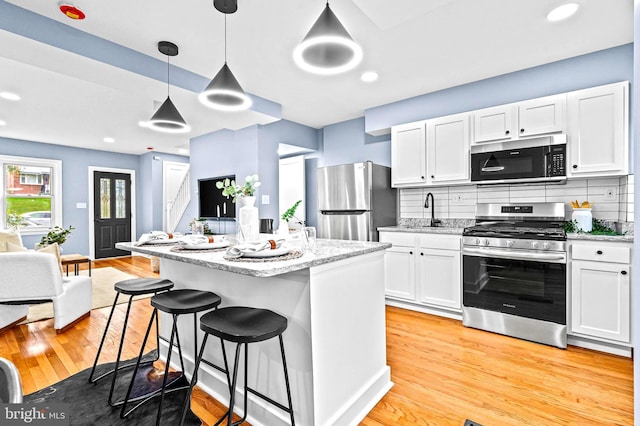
(57, 234)
(231, 189)
(598, 227)
(290, 212)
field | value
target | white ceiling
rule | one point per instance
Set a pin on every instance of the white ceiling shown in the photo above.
(416, 46)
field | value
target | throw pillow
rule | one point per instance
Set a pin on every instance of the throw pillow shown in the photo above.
(9, 236)
(54, 250)
(14, 247)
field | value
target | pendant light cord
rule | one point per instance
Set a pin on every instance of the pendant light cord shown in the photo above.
(225, 38)
(167, 76)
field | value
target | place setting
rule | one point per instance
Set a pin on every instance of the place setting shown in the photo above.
(262, 251)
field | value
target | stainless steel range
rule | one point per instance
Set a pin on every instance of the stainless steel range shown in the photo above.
(514, 272)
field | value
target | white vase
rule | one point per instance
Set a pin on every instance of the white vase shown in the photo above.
(249, 224)
(583, 218)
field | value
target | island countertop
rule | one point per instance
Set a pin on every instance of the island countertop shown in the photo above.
(326, 251)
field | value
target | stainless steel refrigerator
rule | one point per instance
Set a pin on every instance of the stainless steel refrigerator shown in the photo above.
(354, 200)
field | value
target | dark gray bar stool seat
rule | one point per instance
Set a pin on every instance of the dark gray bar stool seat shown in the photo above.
(131, 288)
(175, 303)
(242, 325)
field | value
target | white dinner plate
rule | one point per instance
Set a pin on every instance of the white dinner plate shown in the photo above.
(163, 241)
(206, 246)
(267, 253)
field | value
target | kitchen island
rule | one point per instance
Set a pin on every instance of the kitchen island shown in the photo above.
(335, 342)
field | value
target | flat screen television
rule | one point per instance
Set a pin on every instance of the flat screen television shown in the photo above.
(214, 205)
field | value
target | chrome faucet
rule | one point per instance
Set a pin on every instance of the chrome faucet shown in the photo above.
(434, 221)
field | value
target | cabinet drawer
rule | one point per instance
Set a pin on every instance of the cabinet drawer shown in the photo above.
(398, 238)
(443, 242)
(601, 253)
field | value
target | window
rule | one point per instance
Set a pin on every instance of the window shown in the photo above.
(31, 195)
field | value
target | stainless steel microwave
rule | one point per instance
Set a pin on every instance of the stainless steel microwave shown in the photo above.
(541, 159)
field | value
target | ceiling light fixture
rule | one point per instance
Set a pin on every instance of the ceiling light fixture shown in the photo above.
(167, 118)
(563, 12)
(224, 93)
(109, 140)
(3, 123)
(327, 48)
(9, 96)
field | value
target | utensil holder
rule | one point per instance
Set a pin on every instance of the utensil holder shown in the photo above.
(583, 218)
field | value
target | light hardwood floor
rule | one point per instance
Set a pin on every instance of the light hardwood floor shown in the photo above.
(443, 372)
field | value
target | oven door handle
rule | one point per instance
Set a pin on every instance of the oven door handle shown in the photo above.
(512, 254)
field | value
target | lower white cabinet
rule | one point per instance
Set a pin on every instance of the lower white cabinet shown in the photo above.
(423, 269)
(601, 290)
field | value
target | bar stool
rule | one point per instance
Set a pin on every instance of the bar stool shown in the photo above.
(242, 325)
(175, 302)
(132, 287)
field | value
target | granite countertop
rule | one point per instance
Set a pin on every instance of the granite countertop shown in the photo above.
(591, 237)
(326, 251)
(423, 229)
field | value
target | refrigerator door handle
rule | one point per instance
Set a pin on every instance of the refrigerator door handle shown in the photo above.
(343, 212)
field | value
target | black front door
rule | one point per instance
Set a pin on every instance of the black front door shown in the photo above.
(112, 212)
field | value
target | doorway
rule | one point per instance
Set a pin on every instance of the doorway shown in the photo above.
(112, 212)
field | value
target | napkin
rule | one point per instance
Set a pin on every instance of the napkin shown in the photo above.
(241, 250)
(155, 237)
(194, 240)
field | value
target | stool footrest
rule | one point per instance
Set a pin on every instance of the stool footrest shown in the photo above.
(147, 383)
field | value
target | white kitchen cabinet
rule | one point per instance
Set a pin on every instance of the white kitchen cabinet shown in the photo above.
(493, 124)
(598, 127)
(600, 290)
(541, 115)
(521, 119)
(408, 155)
(448, 140)
(400, 281)
(439, 271)
(423, 270)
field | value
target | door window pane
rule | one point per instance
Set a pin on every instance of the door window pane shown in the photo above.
(105, 198)
(121, 199)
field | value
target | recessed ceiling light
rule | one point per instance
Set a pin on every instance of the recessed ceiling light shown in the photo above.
(9, 96)
(109, 140)
(563, 12)
(3, 123)
(369, 76)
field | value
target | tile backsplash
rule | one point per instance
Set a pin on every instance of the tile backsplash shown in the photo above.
(612, 198)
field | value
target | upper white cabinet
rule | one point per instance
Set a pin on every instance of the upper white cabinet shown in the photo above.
(523, 119)
(493, 124)
(598, 141)
(408, 154)
(448, 140)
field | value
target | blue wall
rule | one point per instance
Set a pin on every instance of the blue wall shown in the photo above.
(75, 183)
(594, 69)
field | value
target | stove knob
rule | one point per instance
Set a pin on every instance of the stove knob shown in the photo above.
(478, 241)
(486, 242)
(534, 244)
(546, 246)
(510, 243)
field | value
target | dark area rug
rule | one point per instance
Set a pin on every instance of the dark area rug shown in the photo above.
(88, 402)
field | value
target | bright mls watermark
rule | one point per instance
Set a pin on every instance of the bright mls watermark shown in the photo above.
(34, 414)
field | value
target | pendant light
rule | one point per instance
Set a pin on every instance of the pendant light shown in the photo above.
(224, 92)
(167, 118)
(327, 48)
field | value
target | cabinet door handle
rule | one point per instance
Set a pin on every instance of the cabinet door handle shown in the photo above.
(506, 132)
(410, 252)
(521, 130)
(623, 272)
(432, 177)
(421, 254)
(575, 166)
(421, 177)
(599, 252)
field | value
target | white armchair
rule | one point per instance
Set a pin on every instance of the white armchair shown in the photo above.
(36, 277)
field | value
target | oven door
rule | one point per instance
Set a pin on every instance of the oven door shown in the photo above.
(526, 284)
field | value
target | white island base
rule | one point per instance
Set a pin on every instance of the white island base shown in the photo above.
(335, 342)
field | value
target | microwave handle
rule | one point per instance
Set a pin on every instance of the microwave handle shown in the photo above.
(492, 169)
